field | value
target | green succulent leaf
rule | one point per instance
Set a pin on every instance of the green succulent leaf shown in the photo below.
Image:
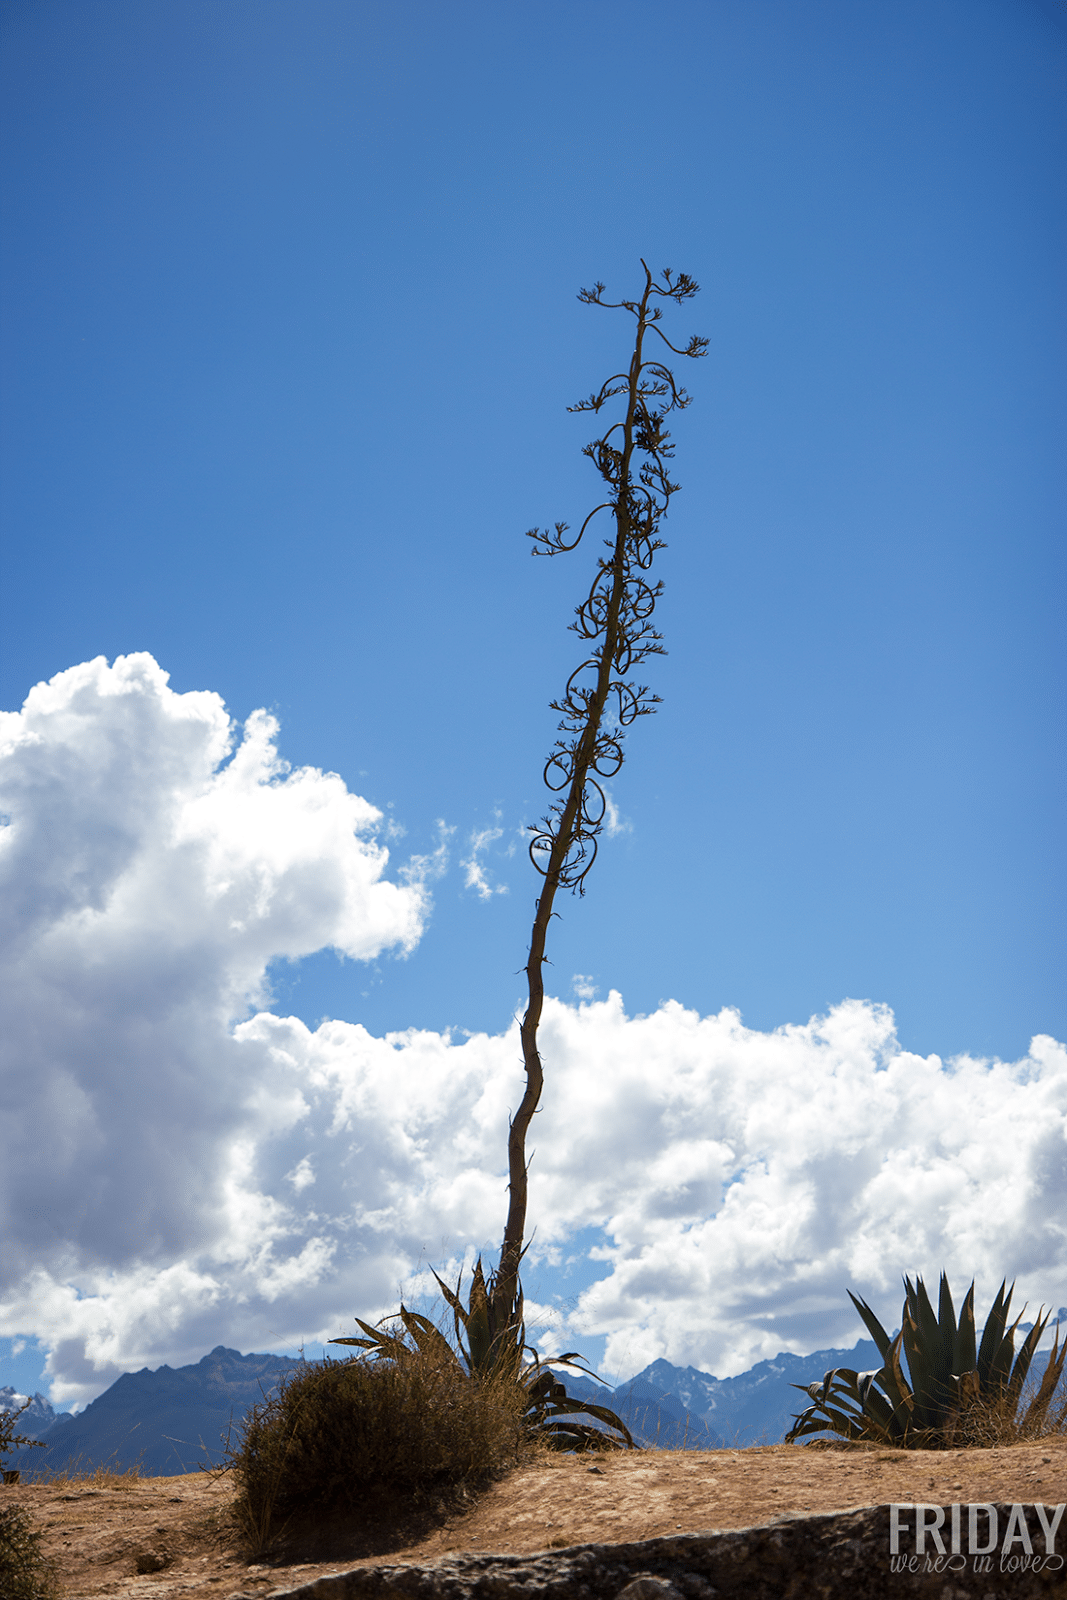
(993, 1335)
(1024, 1358)
(966, 1358)
(483, 1350)
(874, 1327)
(950, 1389)
(1037, 1410)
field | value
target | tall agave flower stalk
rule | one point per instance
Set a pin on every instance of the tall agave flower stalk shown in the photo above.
(957, 1391)
(601, 699)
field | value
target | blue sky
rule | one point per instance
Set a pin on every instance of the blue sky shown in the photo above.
(291, 328)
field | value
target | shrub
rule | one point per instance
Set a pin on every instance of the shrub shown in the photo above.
(958, 1392)
(25, 1574)
(347, 1436)
(550, 1416)
(9, 1439)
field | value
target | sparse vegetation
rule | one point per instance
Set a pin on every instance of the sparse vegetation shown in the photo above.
(356, 1436)
(25, 1574)
(957, 1392)
(9, 1439)
(549, 1414)
(75, 1476)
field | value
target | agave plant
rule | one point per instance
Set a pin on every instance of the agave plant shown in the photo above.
(956, 1391)
(482, 1350)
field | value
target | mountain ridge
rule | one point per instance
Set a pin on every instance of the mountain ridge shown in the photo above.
(682, 1408)
(169, 1420)
(38, 1416)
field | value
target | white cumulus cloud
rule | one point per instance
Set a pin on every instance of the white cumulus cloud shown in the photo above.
(149, 872)
(179, 1172)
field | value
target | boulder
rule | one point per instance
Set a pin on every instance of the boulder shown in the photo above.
(823, 1557)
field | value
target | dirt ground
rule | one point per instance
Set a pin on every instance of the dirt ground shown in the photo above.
(175, 1529)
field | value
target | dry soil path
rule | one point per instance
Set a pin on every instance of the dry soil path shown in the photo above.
(174, 1529)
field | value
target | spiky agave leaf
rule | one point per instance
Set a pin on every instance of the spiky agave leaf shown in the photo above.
(896, 1384)
(837, 1404)
(1025, 1357)
(1037, 1410)
(995, 1338)
(874, 1327)
(948, 1381)
(858, 1405)
(391, 1346)
(923, 1351)
(966, 1356)
(552, 1411)
(487, 1346)
(484, 1351)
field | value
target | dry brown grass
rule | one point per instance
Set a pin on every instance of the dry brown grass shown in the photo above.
(358, 1438)
(993, 1424)
(79, 1477)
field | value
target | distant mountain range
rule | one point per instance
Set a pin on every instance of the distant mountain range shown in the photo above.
(680, 1408)
(169, 1420)
(38, 1416)
(173, 1419)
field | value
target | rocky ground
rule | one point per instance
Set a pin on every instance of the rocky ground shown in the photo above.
(163, 1537)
